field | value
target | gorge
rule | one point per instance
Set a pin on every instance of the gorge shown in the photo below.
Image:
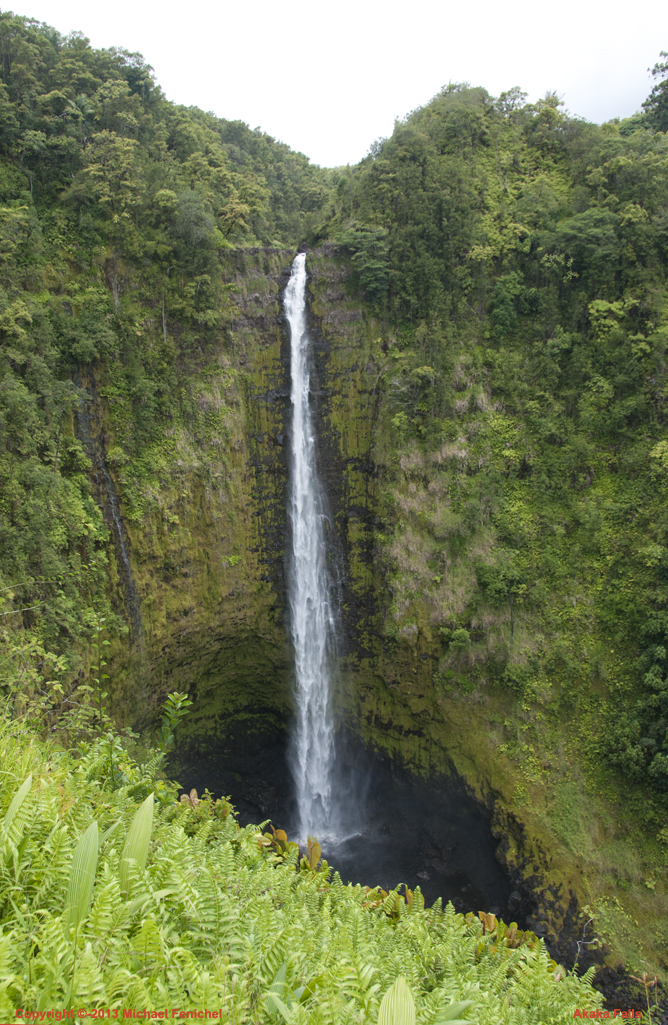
(375, 822)
(419, 401)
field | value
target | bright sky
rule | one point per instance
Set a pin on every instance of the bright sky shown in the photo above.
(329, 78)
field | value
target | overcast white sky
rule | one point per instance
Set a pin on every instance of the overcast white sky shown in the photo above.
(328, 79)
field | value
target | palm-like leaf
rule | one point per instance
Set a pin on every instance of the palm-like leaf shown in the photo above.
(15, 806)
(451, 1013)
(397, 1006)
(136, 844)
(82, 877)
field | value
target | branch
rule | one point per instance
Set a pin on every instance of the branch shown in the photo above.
(15, 611)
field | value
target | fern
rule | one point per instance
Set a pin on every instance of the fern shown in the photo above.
(189, 911)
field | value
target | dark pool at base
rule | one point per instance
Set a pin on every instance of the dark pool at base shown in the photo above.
(426, 833)
(403, 829)
(372, 858)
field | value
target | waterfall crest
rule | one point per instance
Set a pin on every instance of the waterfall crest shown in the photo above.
(312, 618)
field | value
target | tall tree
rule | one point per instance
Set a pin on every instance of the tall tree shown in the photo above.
(656, 103)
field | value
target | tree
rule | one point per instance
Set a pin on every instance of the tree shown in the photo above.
(656, 103)
(368, 248)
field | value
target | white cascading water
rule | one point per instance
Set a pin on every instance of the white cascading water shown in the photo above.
(313, 627)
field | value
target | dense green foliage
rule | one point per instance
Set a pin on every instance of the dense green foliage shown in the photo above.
(520, 256)
(114, 208)
(107, 904)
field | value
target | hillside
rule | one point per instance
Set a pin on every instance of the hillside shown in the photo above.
(516, 259)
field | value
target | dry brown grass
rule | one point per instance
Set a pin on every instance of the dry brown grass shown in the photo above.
(411, 552)
(409, 634)
(451, 450)
(461, 377)
(411, 461)
(482, 401)
(450, 597)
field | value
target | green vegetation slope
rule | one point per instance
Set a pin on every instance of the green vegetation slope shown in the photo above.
(116, 206)
(112, 899)
(515, 260)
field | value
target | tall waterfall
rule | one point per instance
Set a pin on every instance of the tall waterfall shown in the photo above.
(312, 618)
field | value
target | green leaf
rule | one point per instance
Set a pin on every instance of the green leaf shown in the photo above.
(278, 981)
(136, 844)
(82, 877)
(275, 1004)
(18, 800)
(397, 1006)
(107, 833)
(451, 1013)
(304, 992)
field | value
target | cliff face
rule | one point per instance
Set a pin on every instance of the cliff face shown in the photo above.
(208, 557)
(198, 538)
(206, 554)
(208, 570)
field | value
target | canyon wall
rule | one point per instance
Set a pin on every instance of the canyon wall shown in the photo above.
(208, 569)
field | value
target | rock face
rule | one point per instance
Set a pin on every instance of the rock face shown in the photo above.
(207, 554)
(207, 560)
(229, 647)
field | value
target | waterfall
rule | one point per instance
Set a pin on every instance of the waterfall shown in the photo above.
(312, 618)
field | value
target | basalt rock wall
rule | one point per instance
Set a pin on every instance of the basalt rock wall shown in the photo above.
(208, 566)
(207, 557)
